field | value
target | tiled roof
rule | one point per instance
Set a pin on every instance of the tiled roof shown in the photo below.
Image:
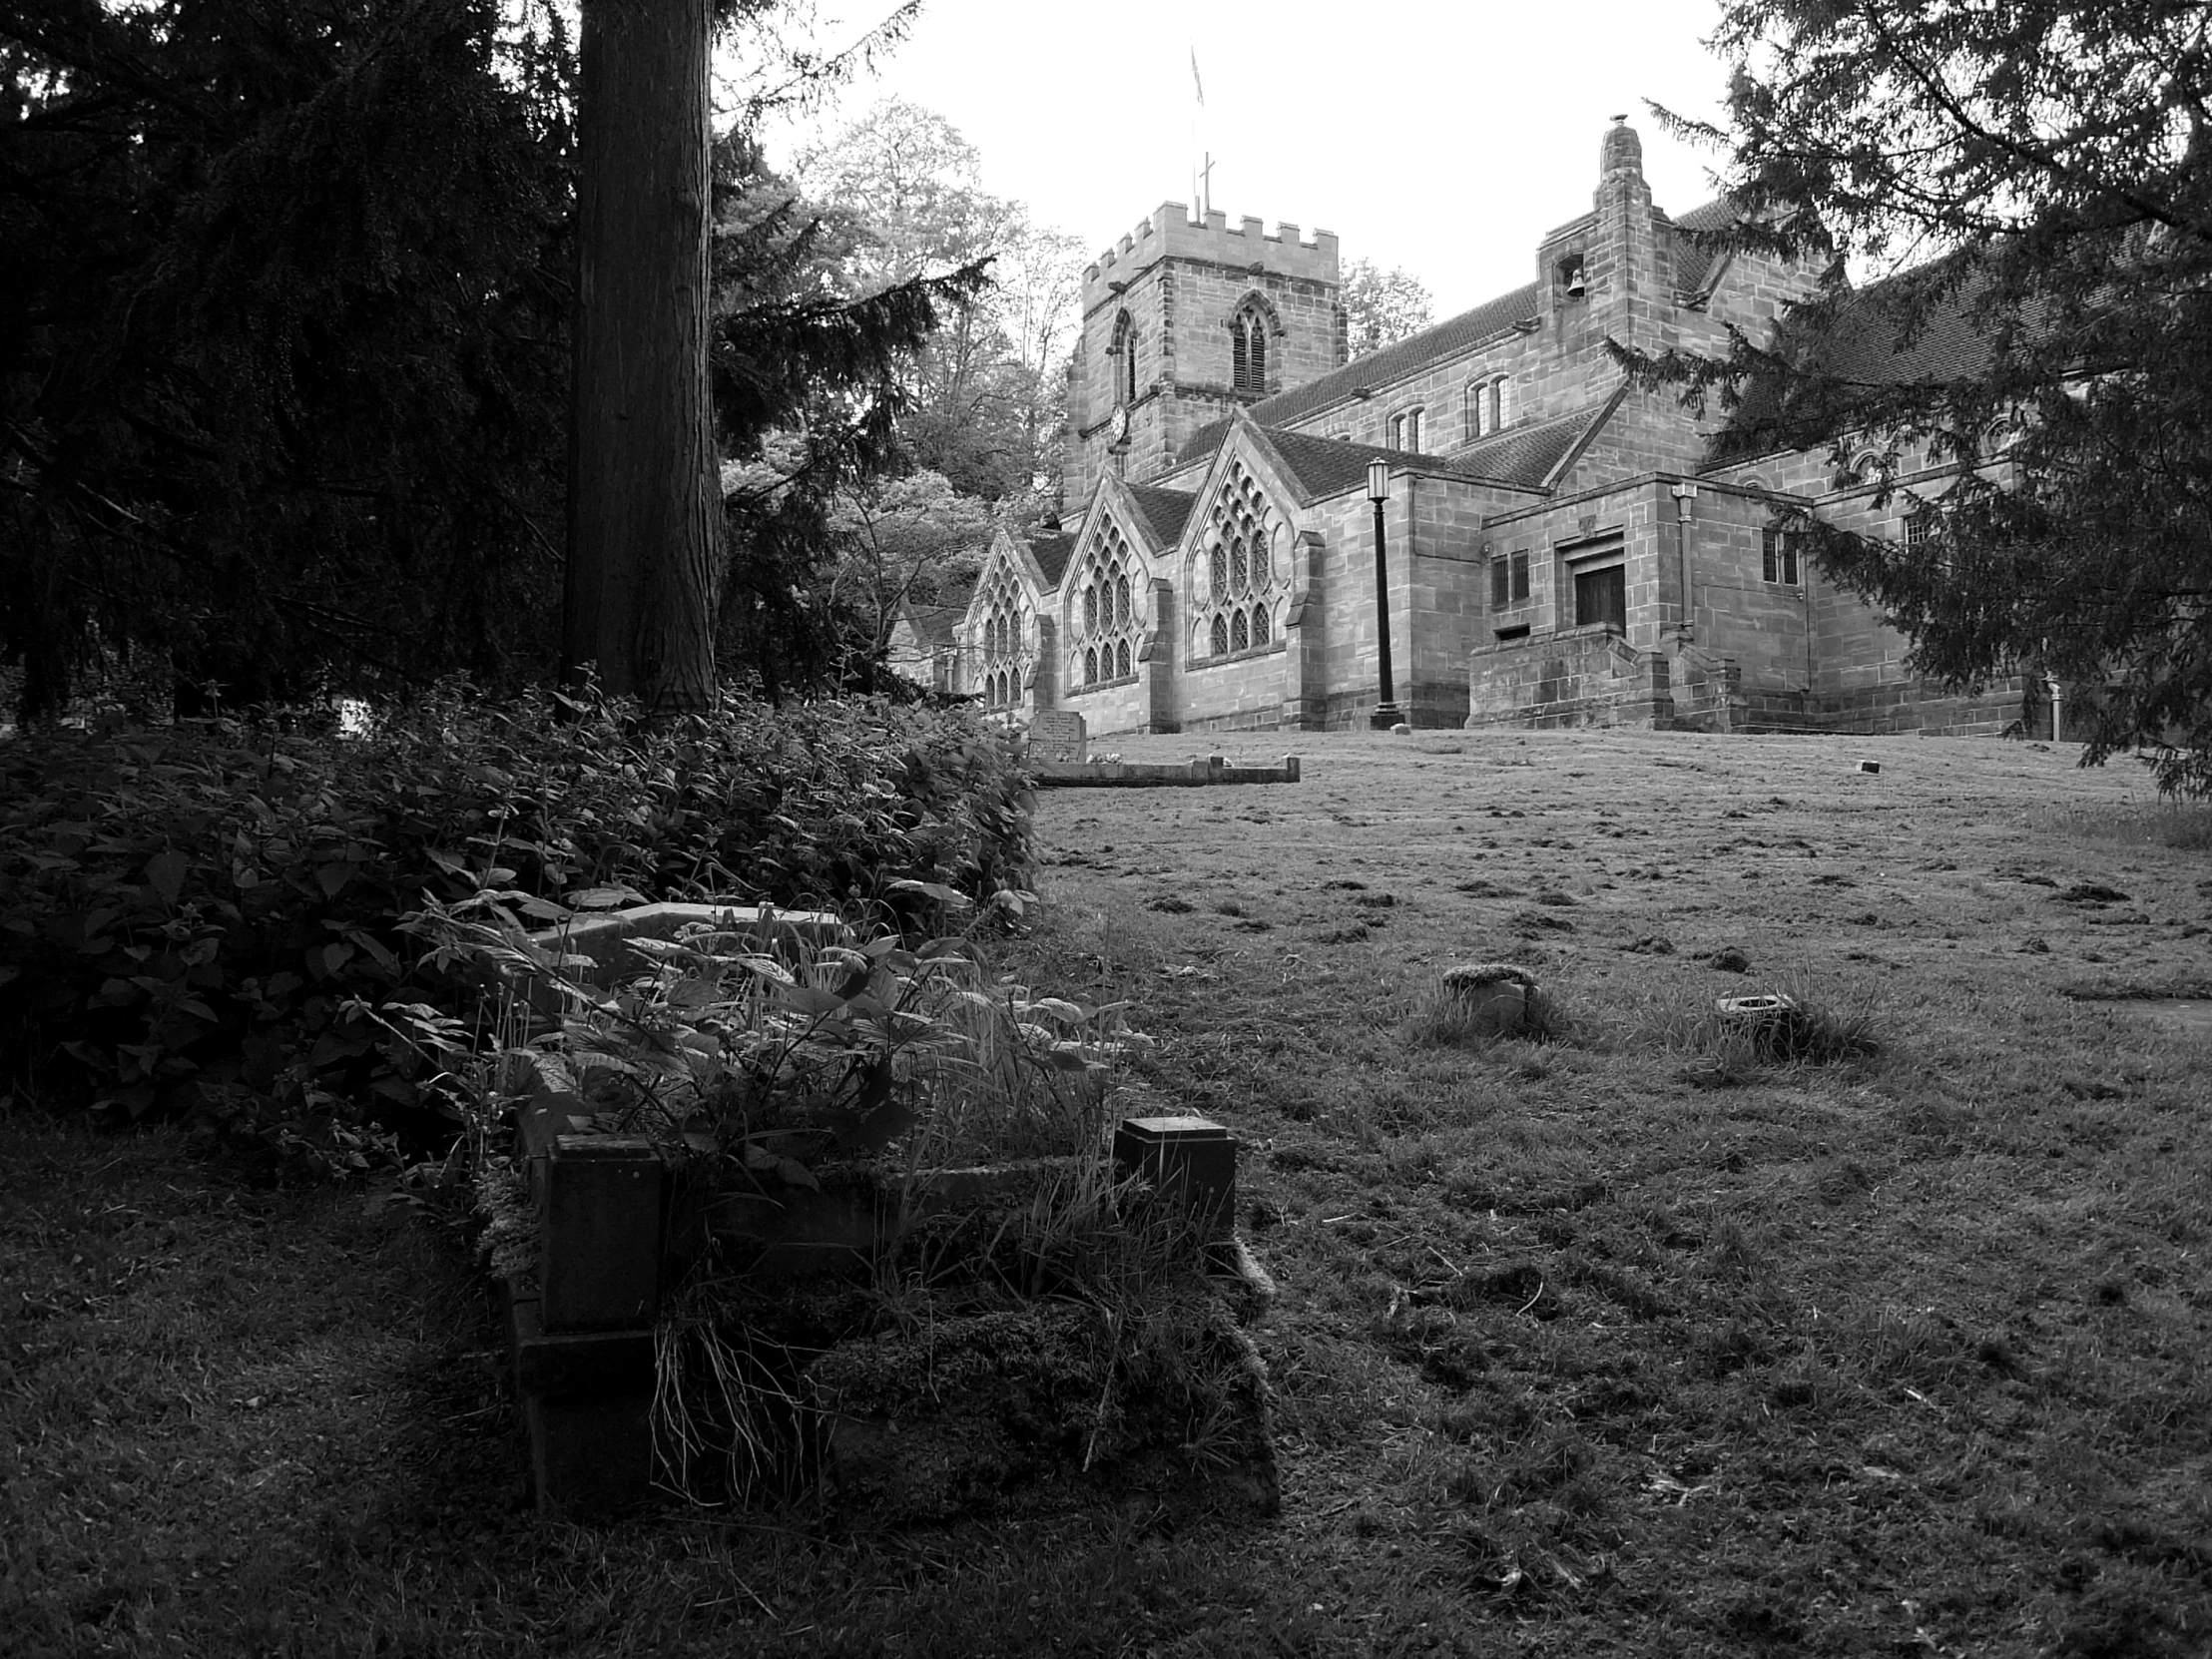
(1333, 466)
(1051, 554)
(1527, 456)
(1167, 511)
(1522, 459)
(1694, 263)
(1400, 358)
(1847, 360)
(1863, 347)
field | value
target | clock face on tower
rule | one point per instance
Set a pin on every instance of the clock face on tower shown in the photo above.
(1117, 424)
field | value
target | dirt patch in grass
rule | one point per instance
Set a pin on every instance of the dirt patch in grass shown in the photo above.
(1895, 1350)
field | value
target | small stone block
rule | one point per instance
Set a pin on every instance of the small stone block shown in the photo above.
(590, 1459)
(1189, 1159)
(601, 1233)
(1870, 766)
(578, 1364)
(1290, 769)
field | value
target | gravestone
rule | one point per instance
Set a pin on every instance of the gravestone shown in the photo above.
(1057, 735)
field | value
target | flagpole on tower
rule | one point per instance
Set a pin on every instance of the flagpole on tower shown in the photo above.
(1202, 159)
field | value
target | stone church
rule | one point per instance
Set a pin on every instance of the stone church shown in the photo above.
(1558, 548)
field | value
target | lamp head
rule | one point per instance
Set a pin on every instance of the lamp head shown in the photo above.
(1379, 480)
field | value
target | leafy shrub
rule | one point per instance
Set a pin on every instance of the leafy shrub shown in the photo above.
(207, 919)
(773, 1063)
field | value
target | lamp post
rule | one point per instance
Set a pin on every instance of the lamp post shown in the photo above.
(1387, 712)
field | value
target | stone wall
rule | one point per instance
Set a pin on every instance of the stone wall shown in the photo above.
(1240, 692)
(1113, 706)
(1577, 677)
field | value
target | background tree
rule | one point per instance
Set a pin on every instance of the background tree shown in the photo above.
(2033, 183)
(913, 539)
(1383, 307)
(811, 390)
(986, 390)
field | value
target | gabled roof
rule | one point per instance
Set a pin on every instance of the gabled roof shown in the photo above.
(1695, 263)
(1531, 457)
(1524, 458)
(1051, 553)
(1332, 467)
(933, 624)
(1165, 510)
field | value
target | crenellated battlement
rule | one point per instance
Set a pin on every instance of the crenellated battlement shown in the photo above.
(1170, 232)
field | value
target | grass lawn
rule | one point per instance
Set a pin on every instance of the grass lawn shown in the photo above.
(1622, 1343)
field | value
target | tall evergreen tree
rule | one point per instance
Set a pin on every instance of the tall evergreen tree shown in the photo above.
(2032, 182)
(284, 373)
(282, 318)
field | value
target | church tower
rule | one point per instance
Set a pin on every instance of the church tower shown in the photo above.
(1184, 321)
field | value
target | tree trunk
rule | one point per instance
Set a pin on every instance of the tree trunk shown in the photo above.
(644, 496)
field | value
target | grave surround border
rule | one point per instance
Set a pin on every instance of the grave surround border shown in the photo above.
(618, 1225)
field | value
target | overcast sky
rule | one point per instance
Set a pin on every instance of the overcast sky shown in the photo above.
(1441, 137)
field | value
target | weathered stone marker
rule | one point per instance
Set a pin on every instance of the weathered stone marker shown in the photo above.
(1188, 1160)
(601, 1265)
(1057, 735)
(583, 1346)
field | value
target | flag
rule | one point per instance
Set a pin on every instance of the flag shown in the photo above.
(1195, 81)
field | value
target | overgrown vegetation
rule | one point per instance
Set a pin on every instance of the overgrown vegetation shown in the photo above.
(209, 918)
(1053, 1326)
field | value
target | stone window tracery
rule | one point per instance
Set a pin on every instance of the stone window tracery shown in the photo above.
(1406, 431)
(1105, 599)
(1239, 577)
(1004, 638)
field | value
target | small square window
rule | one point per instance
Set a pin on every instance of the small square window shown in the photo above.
(1779, 555)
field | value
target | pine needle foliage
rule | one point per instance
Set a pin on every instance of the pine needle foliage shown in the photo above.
(2028, 185)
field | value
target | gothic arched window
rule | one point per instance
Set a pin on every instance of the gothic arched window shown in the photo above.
(1006, 637)
(1102, 624)
(1248, 350)
(1238, 579)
